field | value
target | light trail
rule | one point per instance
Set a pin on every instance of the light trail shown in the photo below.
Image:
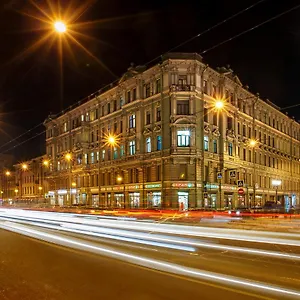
(227, 234)
(185, 244)
(151, 263)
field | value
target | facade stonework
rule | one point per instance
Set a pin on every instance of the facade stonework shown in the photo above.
(174, 150)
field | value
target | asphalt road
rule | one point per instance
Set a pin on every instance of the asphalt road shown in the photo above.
(75, 265)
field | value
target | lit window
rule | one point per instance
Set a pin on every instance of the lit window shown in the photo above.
(122, 152)
(215, 146)
(158, 143)
(183, 138)
(230, 149)
(115, 153)
(132, 147)
(206, 142)
(58, 166)
(82, 118)
(121, 102)
(92, 158)
(132, 121)
(103, 154)
(148, 144)
(87, 116)
(86, 159)
(65, 127)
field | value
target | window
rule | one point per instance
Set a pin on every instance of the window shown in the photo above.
(103, 154)
(122, 152)
(205, 115)
(148, 118)
(148, 144)
(132, 121)
(158, 115)
(183, 138)
(206, 141)
(158, 143)
(230, 149)
(65, 127)
(215, 119)
(182, 80)
(92, 158)
(132, 147)
(183, 107)
(82, 118)
(133, 94)
(115, 152)
(115, 127)
(121, 126)
(205, 86)
(244, 130)
(108, 108)
(229, 123)
(158, 86)
(121, 102)
(128, 96)
(215, 145)
(147, 90)
(115, 105)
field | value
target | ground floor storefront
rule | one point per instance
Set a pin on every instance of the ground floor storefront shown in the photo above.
(172, 195)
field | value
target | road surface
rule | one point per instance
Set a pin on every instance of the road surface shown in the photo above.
(67, 256)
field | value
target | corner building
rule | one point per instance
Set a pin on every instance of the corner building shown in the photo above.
(174, 148)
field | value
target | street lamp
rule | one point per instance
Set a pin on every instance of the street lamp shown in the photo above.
(276, 183)
(68, 158)
(120, 180)
(24, 167)
(60, 27)
(219, 106)
(253, 144)
(7, 174)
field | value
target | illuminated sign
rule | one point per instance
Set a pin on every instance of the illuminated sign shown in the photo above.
(183, 184)
(153, 186)
(133, 187)
(211, 186)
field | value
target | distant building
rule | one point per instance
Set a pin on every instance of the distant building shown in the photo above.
(30, 180)
(188, 136)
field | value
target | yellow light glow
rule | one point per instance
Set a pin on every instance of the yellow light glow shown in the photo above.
(40, 188)
(119, 178)
(219, 104)
(74, 184)
(68, 156)
(2, 192)
(111, 140)
(60, 27)
(252, 143)
(16, 190)
(7, 173)
(46, 163)
(24, 167)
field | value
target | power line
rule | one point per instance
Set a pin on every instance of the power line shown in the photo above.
(250, 29)
(208, 29)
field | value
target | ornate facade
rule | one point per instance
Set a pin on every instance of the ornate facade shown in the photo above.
(174, 148)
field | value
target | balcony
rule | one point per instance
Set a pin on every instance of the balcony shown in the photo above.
(182, 88)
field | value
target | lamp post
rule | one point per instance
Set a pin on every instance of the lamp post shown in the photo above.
(219, 107)
(121, 180)
(24, 167)
(68, 158)
(253, 145)
(7, 175)
(276, 183)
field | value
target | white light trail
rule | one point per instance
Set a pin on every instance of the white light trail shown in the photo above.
(151, 263)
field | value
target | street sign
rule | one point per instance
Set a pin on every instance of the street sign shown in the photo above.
(219, 175)
(240, 183)
(241, 191)
(232, 174)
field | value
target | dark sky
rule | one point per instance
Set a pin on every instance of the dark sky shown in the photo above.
(267, 58)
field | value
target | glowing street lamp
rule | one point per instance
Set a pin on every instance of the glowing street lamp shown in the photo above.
(24, 167)
(219, 105)
(60, 27)
(7, 173)
(68, 156)
(46, 163)
(40, 188)
(252, 143)
(276, 183)
(111, 140)
(119, 179)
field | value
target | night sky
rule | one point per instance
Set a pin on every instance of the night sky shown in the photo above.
(123, 32)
